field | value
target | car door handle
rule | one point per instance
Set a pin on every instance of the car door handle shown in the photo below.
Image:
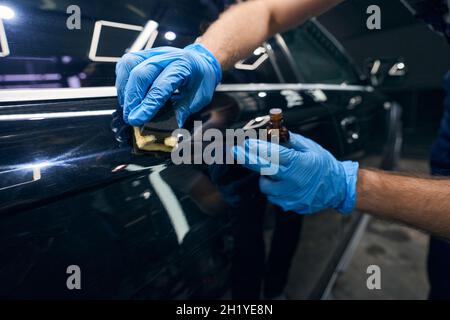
(354, 102)
(351, 129)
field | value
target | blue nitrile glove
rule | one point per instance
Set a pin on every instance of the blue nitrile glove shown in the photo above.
(309, 178)
(147, 79)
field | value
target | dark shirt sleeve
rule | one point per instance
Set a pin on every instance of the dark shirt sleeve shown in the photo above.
(440, 155)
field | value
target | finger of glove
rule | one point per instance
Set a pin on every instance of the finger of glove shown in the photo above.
(280, 202)
(191, 100)
(301, 143)
(141, 79)
(271, 151)
(257, 159)
(169, 80)
(123, 69)
(182, 113)
(193, 97)
(249, 160)
(131, 60)
(272, 187)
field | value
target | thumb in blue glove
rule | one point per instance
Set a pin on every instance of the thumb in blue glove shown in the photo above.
(146, 80)
(309, 178)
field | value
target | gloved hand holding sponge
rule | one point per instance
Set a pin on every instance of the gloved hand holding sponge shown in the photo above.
(146, 80)
(309, 178)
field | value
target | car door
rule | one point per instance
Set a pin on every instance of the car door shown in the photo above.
(303, 245)
(74, 197)
(361, 116)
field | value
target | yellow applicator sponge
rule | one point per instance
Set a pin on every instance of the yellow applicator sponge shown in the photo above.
(149, 142)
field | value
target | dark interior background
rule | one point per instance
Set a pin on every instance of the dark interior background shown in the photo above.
(426, 54)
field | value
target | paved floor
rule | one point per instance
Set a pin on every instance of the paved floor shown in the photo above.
(399, 251)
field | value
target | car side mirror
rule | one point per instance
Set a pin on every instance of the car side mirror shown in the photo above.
(386, 72)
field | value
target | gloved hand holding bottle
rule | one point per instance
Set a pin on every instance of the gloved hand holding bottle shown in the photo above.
(147, 79)
(309, 178)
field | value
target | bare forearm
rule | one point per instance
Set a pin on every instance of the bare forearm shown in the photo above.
(423, 203)
(245, 26)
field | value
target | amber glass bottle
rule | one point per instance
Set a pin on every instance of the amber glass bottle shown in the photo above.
(276, 126)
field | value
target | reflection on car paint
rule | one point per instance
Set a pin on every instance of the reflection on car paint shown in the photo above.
(139, 226)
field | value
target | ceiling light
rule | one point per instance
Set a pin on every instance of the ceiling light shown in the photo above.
(6, 13)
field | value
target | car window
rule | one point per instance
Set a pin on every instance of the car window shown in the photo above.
(38, 50)
(316, 57)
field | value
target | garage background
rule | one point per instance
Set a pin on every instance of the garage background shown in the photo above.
(426, 54)
(400, 251)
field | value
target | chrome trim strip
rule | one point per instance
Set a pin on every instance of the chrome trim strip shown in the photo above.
(24, 95)
(55, 115)
(289, 86)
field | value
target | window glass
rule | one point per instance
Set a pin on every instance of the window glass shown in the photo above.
(38, 50)
(317, 58)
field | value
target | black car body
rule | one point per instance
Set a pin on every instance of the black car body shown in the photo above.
(73, 193)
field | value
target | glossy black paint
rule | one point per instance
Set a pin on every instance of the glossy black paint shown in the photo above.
(72, 192)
